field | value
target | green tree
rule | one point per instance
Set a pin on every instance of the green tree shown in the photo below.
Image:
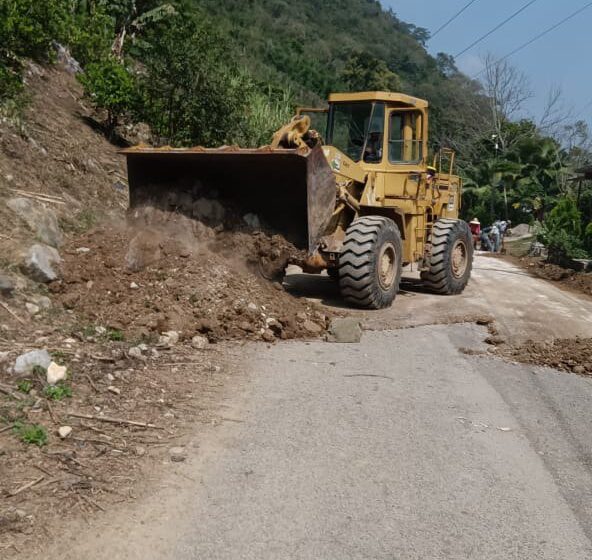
(111, 87)
(189, 94)
(365, 72)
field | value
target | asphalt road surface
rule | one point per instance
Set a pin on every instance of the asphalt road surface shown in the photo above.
(401, 447)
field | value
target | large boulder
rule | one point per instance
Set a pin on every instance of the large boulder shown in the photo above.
(40, 219)
(41, 263)
(25, 363)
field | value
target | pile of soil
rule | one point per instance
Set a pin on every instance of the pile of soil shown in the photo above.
(580, 282)
(187, 277)
(574, 355)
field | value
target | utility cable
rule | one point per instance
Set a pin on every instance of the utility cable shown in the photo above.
(498, 26)
(455, 16)
(539, 36)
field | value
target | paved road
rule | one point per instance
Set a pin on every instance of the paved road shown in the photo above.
(400, 447)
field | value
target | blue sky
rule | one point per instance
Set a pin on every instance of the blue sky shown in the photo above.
(563, 57)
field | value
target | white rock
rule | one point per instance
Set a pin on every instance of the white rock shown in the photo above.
(70, 341)
(83, 250)
(114, 390)
(252, 307)
(100, 330)
(169, 338)
(32, 309)
(26, 362)
(41, 263)
(64, 431)
(43, 302)
(110, 377)
(136, 352)
(56, 373)
(200, 342)
(134, 286)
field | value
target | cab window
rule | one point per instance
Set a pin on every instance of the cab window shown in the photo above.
(405, 137)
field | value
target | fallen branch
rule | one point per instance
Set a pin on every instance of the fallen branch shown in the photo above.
(21, 321)
(90, 382)
(8, 391)
(26, 486)
(113, 420)
(92, 502)
(40, 196)
(5, 429)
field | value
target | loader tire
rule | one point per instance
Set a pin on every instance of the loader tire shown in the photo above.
(370, 263)
(451, 259)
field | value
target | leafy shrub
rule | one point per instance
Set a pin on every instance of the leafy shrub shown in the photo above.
(561, 231)
(57, 392)
(31, 433)
(111, 87)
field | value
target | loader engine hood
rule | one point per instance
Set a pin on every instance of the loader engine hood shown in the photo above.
(291, 190)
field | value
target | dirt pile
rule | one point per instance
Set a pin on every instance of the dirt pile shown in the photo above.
(577, 281)
(574, 355)
(186, 277)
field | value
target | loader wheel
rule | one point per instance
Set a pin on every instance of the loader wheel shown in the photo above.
(451, 260)
(370, 262)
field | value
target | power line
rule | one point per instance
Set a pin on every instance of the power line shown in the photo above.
(455, 16)
(540, 36)
(498, 26)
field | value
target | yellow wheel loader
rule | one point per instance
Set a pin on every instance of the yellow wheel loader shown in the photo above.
(361, 202)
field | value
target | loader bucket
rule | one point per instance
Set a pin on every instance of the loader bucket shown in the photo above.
(292, 191)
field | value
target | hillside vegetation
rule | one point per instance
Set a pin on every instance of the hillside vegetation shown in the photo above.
(214, 72)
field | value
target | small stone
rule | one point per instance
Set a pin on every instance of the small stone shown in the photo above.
(268, 336)
(70, 341)
(136, 353)
(83, 250)
(114, 390)
(252, 307)
(100, 330)
(32, 309)
(200, 342)
(43, 302)
(134, 286)
(56, 373)
(110, 377)
(311, 327)
(6, 285)
(345, 330)
(4, 357)
(302, 316)
(140, 451)
(64, 431)
(25, 363)
(177, 454)
(579, 369)
(169, 338)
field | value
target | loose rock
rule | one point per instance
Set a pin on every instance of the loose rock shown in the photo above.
(345, 330)
(200, 342)
(169, 338)
(40, 220)
(56, 373)
(41, 263)
(32, 308)
(6, 286)
(25, 363)
(311, 327)
(64, 431)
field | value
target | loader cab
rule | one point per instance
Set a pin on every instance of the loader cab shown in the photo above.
(378, 129)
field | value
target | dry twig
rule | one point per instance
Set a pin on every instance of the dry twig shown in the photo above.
(113, 420)
(26, 486)
(21, 321)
